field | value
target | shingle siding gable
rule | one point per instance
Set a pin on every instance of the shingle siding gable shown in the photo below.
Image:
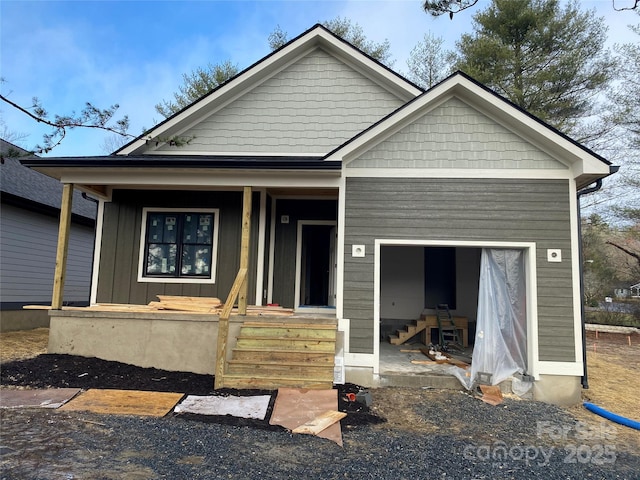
(455, 135)
(310, 107)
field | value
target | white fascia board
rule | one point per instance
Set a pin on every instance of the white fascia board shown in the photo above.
(589, 167)
(531, 174)
(494, 107)
(144, 178)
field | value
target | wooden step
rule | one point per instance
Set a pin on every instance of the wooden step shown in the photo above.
(326, 325)
(272, 354)
(249, 381)
(259, 355)
(296, 344)
(410, 330)
(280, 369)
(285, 332)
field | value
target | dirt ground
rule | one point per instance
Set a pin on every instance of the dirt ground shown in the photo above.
(613, 362)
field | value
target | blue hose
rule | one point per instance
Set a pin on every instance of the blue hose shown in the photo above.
(612, 416)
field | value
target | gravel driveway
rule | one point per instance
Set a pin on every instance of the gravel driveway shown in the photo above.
(454, 437)
(411, 434)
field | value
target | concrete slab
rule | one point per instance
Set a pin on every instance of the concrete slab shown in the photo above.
(124, 402)
(45, 398)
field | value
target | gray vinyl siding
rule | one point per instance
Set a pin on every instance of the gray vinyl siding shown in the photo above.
(455, 135)
(466, 210)
(119, 256)
(28, 242)
(286, 241)
(312, 106)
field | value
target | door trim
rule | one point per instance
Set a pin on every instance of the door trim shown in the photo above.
(301, 224)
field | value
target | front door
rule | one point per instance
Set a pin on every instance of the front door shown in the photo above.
(315, 264)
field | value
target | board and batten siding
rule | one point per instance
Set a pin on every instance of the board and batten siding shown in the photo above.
(506, 210)
(28, 241)
(119, 254)
(310, 107)
(286, 237)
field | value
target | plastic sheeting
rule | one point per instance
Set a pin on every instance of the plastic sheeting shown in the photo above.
(501, 325)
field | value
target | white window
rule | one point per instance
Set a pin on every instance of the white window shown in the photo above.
(178, 246)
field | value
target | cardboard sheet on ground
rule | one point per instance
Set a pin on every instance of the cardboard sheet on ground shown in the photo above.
(491, 394)
(47, 398)
(295, 407)
(244, 407)
(124, 402)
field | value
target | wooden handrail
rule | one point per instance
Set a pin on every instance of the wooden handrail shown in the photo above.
(223, 327)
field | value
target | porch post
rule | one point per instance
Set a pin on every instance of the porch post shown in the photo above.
(63, 247)
(244, 249)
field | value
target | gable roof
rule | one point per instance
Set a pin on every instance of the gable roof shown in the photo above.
(26, 187)
(316, 37)
(586, 165)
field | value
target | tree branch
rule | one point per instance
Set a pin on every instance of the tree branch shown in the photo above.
(636, 4)
(90, 117)
(440, 7)
(625, 250)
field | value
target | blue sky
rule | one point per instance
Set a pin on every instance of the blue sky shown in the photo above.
(134, 52)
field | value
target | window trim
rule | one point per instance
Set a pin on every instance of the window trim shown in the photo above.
(214, 246)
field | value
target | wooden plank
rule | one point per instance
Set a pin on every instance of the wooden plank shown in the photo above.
(319, 372)
(323, 326)
(244, 248)
(292, 344)
(57, 298)
(422, 362)
(249, 381)
(185, 299)
(186, 307)
(271, 354)
(320, 423)
(124, 402)
(287, 332)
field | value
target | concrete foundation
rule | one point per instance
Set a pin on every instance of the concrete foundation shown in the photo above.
(169, 341)
(560, 390)
(13, 320)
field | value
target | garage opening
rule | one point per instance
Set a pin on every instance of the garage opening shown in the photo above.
(482, 291)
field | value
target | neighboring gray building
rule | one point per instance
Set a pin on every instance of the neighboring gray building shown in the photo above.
(28, 237)
(372, 200)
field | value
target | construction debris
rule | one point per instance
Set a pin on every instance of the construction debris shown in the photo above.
(320, 423)
(174, 303)
(294, 408)
(443, 357)
(491, 394)
(243, 407)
